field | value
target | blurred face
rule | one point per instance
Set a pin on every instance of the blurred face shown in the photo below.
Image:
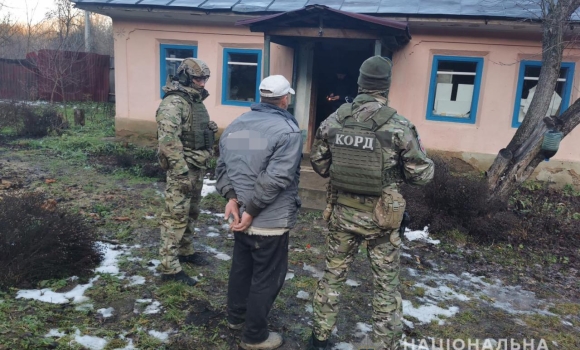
(285, 102)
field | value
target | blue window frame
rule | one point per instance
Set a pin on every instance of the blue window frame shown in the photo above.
(171, 57)
(527, 81)
(454, 89)
(241, 76)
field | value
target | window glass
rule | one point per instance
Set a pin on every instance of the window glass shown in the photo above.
(242, 72)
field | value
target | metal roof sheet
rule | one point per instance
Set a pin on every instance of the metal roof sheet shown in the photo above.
(521, 9)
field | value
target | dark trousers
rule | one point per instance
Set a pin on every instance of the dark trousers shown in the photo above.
(259, 267)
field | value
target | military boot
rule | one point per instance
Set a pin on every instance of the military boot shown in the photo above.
(315, 344)
(179, 277)
(195, 259)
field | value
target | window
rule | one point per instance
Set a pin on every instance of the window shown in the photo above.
(241, 76)
(527, 81)
(171, 57)
(454, 90)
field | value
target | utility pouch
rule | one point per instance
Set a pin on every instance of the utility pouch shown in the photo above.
(163, 161)
(389, 209)
(209, 139)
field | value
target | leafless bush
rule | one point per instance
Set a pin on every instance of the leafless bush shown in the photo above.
(38, 241)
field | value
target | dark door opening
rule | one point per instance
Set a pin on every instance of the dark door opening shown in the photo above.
(329, 90)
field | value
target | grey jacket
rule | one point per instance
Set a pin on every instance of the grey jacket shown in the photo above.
(259, 164)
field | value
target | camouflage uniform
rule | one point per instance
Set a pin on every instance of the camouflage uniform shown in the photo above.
(404, 159)
(186, 167)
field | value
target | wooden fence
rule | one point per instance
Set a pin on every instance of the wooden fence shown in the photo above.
(56, 76)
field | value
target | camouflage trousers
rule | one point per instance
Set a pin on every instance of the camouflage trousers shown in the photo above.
(384, 256)
(182, 196)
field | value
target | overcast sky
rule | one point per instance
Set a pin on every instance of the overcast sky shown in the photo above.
(36, 9)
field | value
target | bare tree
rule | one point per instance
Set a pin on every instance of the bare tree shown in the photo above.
(67, 49)
(7, 28)
(515, 163)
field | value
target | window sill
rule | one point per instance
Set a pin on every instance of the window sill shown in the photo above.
(237, 103)
(440, 118)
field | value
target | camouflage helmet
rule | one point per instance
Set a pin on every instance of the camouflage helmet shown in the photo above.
(194, 67)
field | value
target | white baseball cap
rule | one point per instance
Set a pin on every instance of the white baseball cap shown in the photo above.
(275, 86)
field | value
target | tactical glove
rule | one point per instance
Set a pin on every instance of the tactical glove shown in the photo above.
(212, 126)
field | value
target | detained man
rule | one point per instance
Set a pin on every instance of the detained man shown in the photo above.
(258, 172)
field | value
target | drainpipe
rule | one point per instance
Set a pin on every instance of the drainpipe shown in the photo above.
(87, 31)
(378, 48)
(266, 68)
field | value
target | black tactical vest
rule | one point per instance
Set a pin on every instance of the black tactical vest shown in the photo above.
(200, 137)
(357, 159)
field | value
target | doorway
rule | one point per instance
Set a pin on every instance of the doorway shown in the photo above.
(335, 74)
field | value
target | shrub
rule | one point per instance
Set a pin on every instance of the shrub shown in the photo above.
(124, 160)
(535, 214)
(38, 241)
(37, 124)
(154, 171)
(31, 121)
(454, 202)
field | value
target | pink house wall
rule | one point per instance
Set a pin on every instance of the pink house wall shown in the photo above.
(137, 68)
(137, 77)
(493, 128)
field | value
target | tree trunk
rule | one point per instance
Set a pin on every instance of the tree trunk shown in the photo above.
(515, 163)
(79, 117)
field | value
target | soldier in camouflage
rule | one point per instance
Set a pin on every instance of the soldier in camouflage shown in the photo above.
(367, 150)
(186, 137)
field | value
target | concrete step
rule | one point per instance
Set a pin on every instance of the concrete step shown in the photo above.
(312, 189)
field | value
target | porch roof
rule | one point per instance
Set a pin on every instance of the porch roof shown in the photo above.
(501, 9)
(315, 20)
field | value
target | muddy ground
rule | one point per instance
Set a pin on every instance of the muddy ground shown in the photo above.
(452, 289)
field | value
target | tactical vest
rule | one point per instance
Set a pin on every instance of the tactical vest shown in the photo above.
(200, 137)
(357, 159)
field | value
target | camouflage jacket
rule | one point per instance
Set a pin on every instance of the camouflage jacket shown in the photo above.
(406, 154)
(172, 118)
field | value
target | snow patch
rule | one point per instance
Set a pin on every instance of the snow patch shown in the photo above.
(110, 262)
(144, 301)
(420, 236)
(153, 268)
(154, 308)
(343, 346)
(314, 271)
(362, 329)
(208, 187)
(88, 341)
(213, 234)
(352, 283)
(163, 336)
(76, 295)
(428, 312)
(54, 333)
(136, 280)
(108, 312)
(303, 295)
(309, 309)
(289, 276)
(217, 254)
